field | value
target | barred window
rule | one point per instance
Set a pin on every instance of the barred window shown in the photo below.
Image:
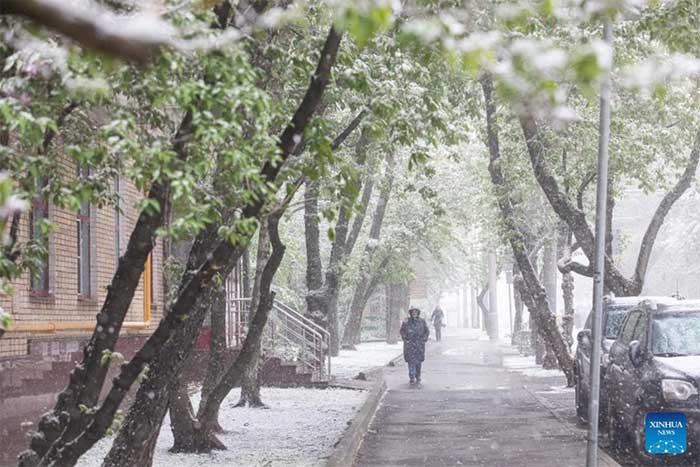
(39, 283)
(84, 243)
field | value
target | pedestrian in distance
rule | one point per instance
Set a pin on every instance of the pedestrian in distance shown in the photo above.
(414, 333)
(437, 319)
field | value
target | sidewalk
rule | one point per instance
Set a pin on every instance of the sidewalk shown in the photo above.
(471, 411)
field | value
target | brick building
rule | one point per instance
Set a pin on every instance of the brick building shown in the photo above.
(61, 302)
(54, 312)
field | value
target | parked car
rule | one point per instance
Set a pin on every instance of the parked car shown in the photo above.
(615, 310)
(655, 368)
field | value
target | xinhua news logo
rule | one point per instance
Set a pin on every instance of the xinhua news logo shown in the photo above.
(665, 433)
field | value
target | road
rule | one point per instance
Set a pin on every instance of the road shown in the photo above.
(470, 411)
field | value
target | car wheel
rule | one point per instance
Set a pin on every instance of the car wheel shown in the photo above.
(581, 401)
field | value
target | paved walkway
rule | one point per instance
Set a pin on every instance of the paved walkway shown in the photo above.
(469, 411)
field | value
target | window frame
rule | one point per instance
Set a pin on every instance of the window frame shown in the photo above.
(634, 314)
(40, 203)
(84, 252)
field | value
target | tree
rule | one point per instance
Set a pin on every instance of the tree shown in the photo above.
(535, 296)
(351, 335)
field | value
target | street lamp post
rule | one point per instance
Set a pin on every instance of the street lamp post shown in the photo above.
(598, 278)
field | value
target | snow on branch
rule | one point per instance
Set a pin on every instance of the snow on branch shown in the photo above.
(135, 37)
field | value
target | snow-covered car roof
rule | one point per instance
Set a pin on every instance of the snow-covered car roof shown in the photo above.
(685, 305)
(659, 299)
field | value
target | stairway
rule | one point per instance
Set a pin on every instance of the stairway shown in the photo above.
(295, 349)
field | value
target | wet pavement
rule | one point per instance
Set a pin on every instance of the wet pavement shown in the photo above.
(470, 411)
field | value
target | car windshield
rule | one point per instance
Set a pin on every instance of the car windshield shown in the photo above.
(615, 317)
(676, 334)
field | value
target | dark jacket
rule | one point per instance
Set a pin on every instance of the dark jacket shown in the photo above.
(415, 333)
(437, 317)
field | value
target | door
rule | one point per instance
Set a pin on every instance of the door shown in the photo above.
(619, 363)
(631, 374)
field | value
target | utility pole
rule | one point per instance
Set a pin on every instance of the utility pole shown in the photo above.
(492, 324)
(599, 275)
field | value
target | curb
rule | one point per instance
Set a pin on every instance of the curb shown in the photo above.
(346, 449)
(603, 457)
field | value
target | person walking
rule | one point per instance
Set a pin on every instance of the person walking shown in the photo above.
(414, 333)
(437, 319)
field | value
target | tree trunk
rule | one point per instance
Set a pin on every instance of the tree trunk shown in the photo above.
(567, 286)
(250, 381)
(535, 296)
(549, 273)
(217, 346)
(340, 254)
(137, 437)
(188, 311)
(245, 273)
(492, 323)
(314, 268)
(397, 295)
(518, 304)
(482, 306)
(87, 378)
(322, 297)
(351, 335)
(204, 439)
(181, 416)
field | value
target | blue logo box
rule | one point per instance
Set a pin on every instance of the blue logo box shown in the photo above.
(665, 433)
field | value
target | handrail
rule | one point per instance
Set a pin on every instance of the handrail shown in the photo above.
(310, 322)
(293, 328)
(301, 323)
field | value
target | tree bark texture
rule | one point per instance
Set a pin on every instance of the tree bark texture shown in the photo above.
(549, 273)
(204, 439)
(353, 326)
(250, 381)
(217, 345)
(145, 416)
(567, 285)
(398, 302)
(535, 298)
(518, 305)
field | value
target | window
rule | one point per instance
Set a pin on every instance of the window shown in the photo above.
(84, 243)
(39, 282)
(117, 220)
(627, 332)
(640, 331)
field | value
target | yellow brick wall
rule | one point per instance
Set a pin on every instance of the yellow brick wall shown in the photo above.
(63, 304)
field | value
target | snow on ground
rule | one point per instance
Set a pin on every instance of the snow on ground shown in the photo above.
(528, 367)
(299, 429)
(466, 333)
(367, 356)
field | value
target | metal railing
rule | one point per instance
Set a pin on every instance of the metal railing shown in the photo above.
(288, 335)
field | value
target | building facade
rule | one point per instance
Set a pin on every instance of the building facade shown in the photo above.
(54, 311)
